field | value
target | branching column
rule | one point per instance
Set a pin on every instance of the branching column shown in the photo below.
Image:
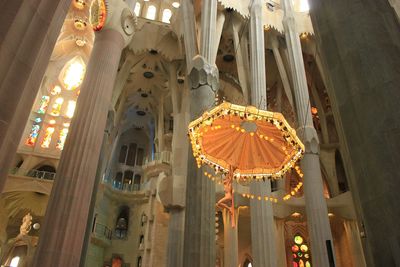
(317, 212)
(63, 232)
(179, 169)
(199, 240)
(25, 49)
(262, 219)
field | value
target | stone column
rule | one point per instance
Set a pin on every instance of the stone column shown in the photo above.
(282, 70)
(179, 169)
(25, 49)
(361, 62)
(280, 242)
(316, 209)
(231, 249)
(160, 125)
(262, 219)
(353, 238)
(199, 240)
(63, 232)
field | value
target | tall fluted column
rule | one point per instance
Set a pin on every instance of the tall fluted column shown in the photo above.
(280, 241)
(199, 240)
(63, 232)
(25, 49)
(317, 212)
(353, 237)
(262, 218)
(231, 249)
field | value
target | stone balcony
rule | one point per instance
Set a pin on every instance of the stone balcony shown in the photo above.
(101, 235)
(160, 162)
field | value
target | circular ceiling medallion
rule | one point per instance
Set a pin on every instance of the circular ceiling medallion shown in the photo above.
(228, 58)
(148, 74)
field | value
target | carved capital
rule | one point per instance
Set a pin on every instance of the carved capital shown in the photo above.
(309, 136)
(203, 73)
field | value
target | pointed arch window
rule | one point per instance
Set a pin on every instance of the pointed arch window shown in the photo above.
(44, 103)
(151, 12)
(137, 9)
(167, 13)
(34, 133)
(61, 139)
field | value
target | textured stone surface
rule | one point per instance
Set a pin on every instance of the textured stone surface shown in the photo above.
(360, 47)
(68, 208)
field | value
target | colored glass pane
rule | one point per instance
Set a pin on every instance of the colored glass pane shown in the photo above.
(56, 90)
(33, 135)
(298, 240)
(300, 251)
(73, 73)
(70, 109)
(44, 103)
(38, 120)
(61, 139)
(47, 137)
(295, 264)
(57, 106)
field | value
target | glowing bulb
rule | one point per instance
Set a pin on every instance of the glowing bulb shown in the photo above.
(176, 4)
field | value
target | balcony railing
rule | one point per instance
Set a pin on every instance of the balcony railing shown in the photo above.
(125, 187)
(159, 157)
(102, 231)
(34, 173)
(41, 174)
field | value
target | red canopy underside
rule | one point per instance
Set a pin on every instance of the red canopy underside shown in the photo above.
(264, 152)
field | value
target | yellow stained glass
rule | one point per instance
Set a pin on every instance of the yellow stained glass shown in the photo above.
(47, 137)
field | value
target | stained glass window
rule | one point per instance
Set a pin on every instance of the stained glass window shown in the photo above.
(44, 103)
(47, 137)
(166, 15)
(61, 139)
(73, 73)
(56, 90)
(57, 106)
(151, 12)
(137, 9)
(300, 252)
(70, 108)
(33, 135)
